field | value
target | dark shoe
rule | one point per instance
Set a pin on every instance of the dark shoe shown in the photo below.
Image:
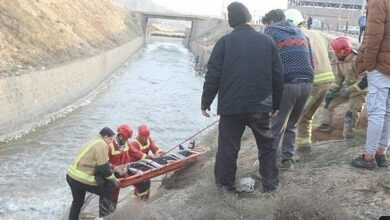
(286, 165)
(361, 162)
(381, 160)
(324, 128)
(272, 190)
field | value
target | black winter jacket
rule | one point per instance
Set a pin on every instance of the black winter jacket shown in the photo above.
(245, 70)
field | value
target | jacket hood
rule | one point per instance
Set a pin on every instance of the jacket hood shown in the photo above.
(284, 26)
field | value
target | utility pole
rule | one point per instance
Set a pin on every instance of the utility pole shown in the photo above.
(364, 3)
(223, 11)
(339, 17)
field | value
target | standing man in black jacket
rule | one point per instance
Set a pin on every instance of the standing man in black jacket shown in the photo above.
(245, 70)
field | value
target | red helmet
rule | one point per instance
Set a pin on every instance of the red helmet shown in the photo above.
(144, 131)
(125, 130)
(342, 43)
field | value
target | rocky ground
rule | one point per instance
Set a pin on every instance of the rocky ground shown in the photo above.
(39, 34)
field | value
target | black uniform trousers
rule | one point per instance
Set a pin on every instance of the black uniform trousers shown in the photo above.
(79, 189)
(231, 129)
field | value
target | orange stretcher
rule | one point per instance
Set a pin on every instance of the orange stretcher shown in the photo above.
(136, 172)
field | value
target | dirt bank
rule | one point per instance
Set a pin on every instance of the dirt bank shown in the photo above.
(323, 186)
(39, 34)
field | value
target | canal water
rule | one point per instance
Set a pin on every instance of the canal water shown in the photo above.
(160, 88)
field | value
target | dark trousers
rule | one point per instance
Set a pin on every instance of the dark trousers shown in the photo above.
(231, 129)
(78, 192)
(361, 33)
(284, 125)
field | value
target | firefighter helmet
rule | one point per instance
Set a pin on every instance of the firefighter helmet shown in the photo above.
(343, 45)
(125, 130)
(144, 131)
(294, 16)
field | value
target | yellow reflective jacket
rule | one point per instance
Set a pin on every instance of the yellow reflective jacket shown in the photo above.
(347, 75)
(91, 155)
(322, 68)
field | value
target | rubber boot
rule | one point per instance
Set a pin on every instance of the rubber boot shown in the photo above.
(143, 196)
(349, 124)
(304, 142)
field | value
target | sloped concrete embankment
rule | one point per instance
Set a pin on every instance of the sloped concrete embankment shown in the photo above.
(205, 35)
(28, 98)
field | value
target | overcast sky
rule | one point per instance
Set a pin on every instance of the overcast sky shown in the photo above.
(214, 7)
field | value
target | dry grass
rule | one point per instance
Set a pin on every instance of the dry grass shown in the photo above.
(47, 33)
(202, 200)
(310, 205)
(324, 186)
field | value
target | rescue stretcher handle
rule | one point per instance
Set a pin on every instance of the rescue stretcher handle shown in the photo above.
(189, 138)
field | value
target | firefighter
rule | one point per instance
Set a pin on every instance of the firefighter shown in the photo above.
(344, 89)
(118, 151)
(91, 172)
(140, 149)
(323, 77)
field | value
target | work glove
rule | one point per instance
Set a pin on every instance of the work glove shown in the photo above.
(344, 92)
(363, 84)
(329, 96)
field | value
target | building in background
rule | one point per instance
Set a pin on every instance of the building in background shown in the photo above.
(333, 15)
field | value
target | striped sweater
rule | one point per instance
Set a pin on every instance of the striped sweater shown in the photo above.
(294, 49)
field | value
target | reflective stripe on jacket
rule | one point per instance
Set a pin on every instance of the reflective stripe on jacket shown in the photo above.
(139, 151)
(347, 76)
(320, 48)
(117, 156)
(97, 148)
(322, 78)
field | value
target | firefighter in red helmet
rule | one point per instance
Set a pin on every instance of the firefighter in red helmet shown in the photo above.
(141, 147)
(144, 143)
(118, 151)
(119, 145)
(345, 88)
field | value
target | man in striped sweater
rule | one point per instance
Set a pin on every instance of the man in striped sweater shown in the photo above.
(297, 63)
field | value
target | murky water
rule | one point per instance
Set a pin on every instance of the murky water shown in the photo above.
(160, 88)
